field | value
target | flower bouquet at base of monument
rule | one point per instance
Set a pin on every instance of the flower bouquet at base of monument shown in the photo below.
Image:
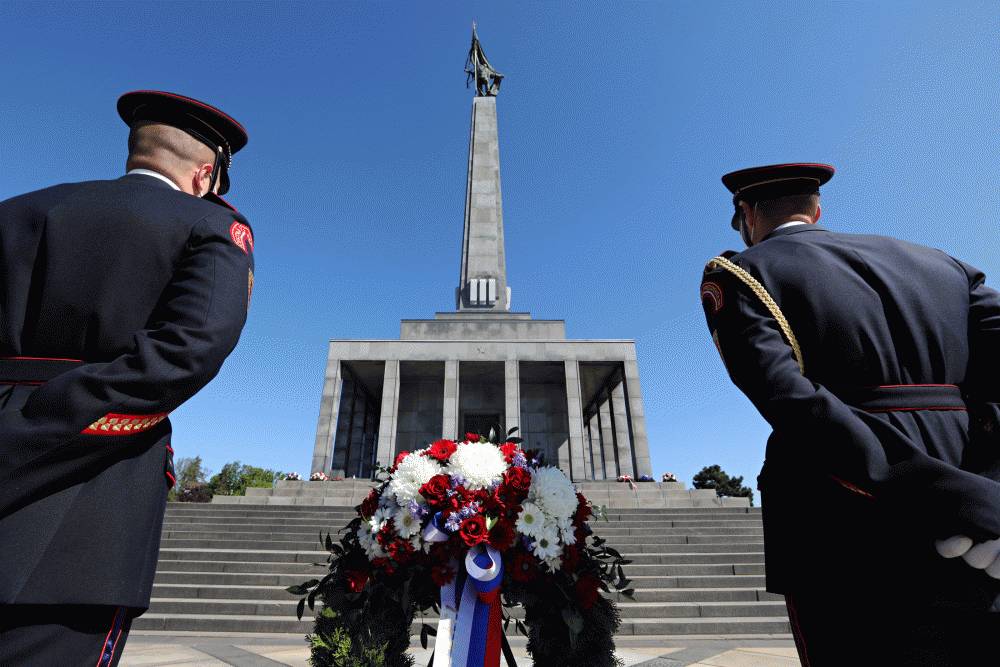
(468, 530)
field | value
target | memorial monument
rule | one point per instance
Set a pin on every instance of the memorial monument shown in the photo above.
(579, 402)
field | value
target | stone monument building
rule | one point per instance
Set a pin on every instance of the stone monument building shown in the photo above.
(577, 401)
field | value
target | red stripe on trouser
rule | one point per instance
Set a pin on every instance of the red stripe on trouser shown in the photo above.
(800, 640)
(106, 658)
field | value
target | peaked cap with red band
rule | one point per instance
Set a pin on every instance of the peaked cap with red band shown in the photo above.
(209, 125)
(775, 180)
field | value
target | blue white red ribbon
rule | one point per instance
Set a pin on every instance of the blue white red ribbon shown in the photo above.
(470, 629)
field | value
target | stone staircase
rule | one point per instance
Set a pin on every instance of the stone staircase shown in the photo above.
(698, 563)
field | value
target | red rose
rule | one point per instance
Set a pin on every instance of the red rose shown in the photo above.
(442, 450)
(473, 530)
(509, 449)
(356, 580)
(517, 479)
(586, 590)
(472, 437)
(442, 574)
(369, 504)
(399, 459)
(436, 489)
(503, 535)
(524, 567)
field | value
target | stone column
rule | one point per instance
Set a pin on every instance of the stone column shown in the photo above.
(329, 408)
(574, 410)
(449, 421)
(387, 420)
(622, 438)
(640, 441)
(595, 466)
(608, 438)
(512, 395)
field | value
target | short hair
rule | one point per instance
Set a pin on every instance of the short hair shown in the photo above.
(165, 146)
(782, 207)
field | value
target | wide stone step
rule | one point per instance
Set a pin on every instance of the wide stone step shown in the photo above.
(612, 501)
(629, 522)
(313, 527)
(304, 569)
(611, 534)
(278, 593)
(262, 558)
(632, 544)
(280, 579)
(628, 609)
(269, 624)
(297, 510)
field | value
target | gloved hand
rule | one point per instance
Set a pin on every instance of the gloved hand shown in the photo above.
(983, 556)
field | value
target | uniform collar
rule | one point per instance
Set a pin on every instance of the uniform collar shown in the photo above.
(784, 230)
(154, 174)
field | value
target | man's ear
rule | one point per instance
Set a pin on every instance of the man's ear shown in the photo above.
(200, 180)
(819, 212)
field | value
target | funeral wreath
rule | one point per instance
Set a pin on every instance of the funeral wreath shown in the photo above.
(468, 531)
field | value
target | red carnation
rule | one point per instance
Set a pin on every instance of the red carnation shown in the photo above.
(472, 437)
(509, 449)
(583, 510)
(399, 459)
(503, 535)
(473, 530)
(442, 574)
(586, 590)
(435, 490)
(571, 558)
(442, 450)
(524, 567)
(399, 550)
(369, 504)
(356, 580)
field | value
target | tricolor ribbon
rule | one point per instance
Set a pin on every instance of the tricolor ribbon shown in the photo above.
(470, 630)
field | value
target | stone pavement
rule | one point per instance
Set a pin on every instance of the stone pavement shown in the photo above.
(216, 650)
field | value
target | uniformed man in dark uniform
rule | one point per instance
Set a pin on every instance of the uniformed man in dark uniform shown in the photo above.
(120, 299)
(866, 355)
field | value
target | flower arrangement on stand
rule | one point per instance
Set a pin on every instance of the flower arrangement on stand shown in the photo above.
(669, 477)
(319, 476)
(291, 477)
(469, 530)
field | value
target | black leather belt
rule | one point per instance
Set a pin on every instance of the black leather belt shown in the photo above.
(33, 370)
(904, 397)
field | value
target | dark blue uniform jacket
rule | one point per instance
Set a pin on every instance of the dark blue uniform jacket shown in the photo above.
(861, 474)
(149, 287)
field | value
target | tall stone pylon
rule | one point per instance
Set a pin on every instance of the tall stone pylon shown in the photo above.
(482, 282)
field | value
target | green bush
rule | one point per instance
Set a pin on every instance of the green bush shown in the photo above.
(235, 478)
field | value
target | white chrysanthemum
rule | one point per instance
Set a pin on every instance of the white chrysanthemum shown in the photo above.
(413, 472)
(406, 524)
(367, 542)
(530, 521)
(546, 547)
(379, 519)
(568, 537)
(552, 491)
(478, 463)
(554, 563)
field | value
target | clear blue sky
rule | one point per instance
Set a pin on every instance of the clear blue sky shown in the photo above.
(616, 121)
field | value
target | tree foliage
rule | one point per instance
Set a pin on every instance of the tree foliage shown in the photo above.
(236, 477)
(714, 477)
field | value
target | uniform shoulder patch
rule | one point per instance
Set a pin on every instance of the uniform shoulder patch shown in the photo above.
(241, 236)
(711, 295)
